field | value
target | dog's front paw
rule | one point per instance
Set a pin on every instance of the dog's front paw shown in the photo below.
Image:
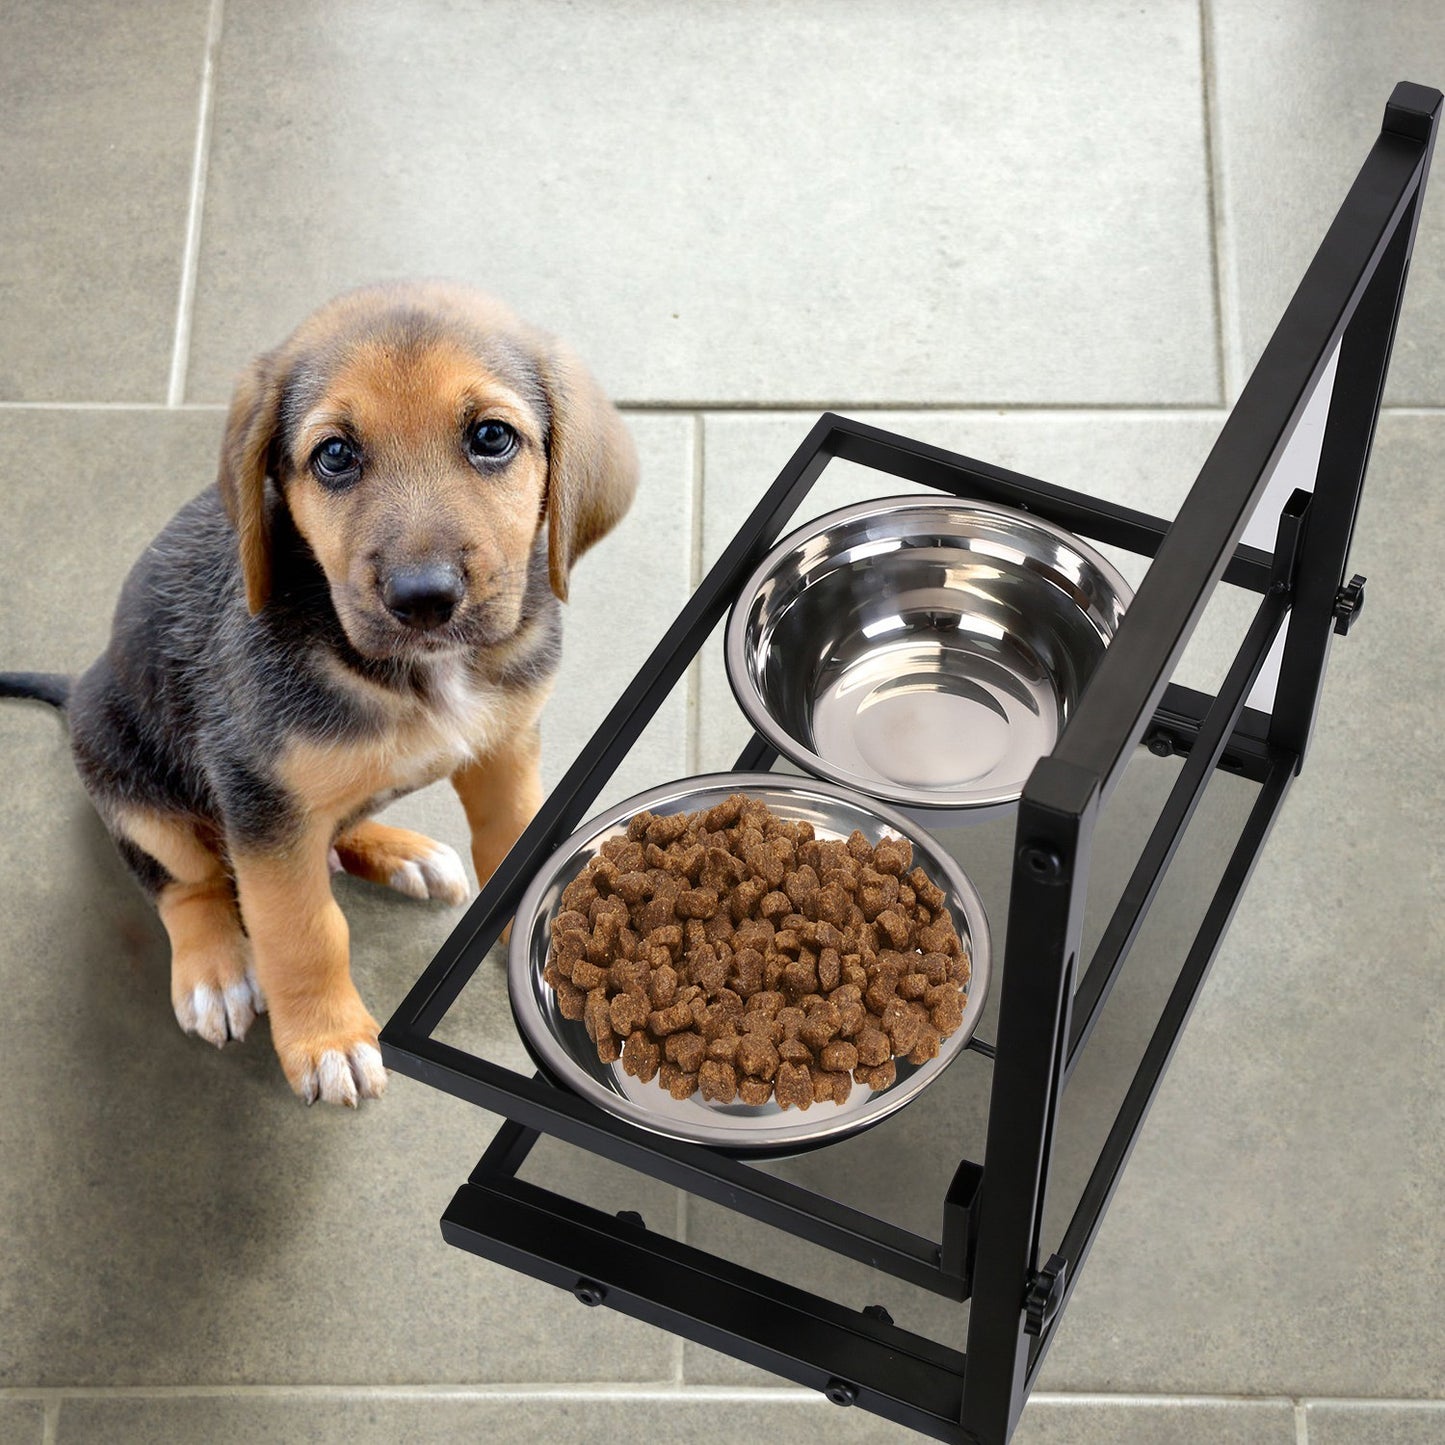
(438, 874)
(219, 1010)
(409, 862)
(343, 1067)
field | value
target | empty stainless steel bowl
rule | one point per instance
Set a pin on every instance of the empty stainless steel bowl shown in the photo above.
(924, 651)
(564, 1051)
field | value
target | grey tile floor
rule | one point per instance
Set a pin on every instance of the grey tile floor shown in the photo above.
(1052, 235)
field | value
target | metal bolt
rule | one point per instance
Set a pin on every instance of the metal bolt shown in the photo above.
(1042, 862)
(1160, 744)
(840, 1392)
(877, 1312)
(631, 1216)
(588, 1293)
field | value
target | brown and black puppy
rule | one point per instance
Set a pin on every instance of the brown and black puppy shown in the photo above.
(365, 602)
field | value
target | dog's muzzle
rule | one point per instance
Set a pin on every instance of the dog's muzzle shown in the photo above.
(423, 598)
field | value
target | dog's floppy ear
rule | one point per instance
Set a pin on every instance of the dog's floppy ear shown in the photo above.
(247, 451)
(591, 464)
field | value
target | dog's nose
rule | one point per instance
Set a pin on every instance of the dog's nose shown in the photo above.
(423, 597)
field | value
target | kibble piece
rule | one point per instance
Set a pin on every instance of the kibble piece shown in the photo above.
(686, 1050)
(831, 1088)
(746, 897)
(839, 1056)
(633, 887)
(717, 1082)
(571, 1000)
(873, 1047)
(821, 1025)
(892, 923)
(677, 1081)
(755, 1091)
(697, 902)
(945, 1008)
(927, 892)
(913, 985)
(893, 855)
(794, 1086)
(795, 1051)
(901, 1024)
(662, 986)
(747, 971)
(830, 969)
(926, 1046)
(800, 978)
(706, 969)
(668, 829)
(775, 905)
(669, 1020)
(629, 1011)
(757, 1057)
(881, 1077)
(641, 1057)
(724, 1048)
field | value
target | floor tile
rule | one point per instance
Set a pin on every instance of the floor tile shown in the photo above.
(1277, 1229)
(178, 1216)
(1301, 91)
(738, 204)
(1383, 1424)
(98, 107)
(1090, 1422)
(687, 1418)
(22, 1422)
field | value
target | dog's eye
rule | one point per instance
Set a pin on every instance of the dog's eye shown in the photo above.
(334, 460)
(490, 440)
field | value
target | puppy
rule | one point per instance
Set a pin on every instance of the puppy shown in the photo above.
(365, 602)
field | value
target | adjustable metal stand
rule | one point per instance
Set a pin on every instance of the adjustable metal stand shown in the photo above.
(1050, 1000)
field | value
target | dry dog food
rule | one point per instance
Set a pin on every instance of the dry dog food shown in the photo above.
(732, 954)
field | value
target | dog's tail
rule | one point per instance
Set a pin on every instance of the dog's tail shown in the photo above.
(51, 687)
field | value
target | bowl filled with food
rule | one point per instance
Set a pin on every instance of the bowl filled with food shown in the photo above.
(926, 651)
(751, 961)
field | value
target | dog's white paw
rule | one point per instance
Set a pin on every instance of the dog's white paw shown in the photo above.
(219, 1014)
(345, 1078)
(435, 874)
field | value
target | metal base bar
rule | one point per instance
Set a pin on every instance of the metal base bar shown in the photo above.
(852, 1357)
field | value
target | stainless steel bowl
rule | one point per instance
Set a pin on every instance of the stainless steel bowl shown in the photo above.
(923, 651)
(561, 1046)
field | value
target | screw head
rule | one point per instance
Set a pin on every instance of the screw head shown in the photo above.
(1042, 862)
(589, 1293)
(840, 1392)
(1160, 745)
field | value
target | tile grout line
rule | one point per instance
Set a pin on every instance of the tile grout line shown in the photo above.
(1301, 1424)
(1227, 302)
(52, 1397)
(200, 162)
(693, 752)
(679, 1344)
(1035, 412)
(1211, 195)
(50, 1428)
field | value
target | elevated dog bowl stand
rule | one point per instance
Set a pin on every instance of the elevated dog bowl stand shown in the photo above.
(1339, 327)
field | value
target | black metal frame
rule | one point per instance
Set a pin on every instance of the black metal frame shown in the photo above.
(1049, 1004)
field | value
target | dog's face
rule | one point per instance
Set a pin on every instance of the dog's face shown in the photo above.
(420, 437)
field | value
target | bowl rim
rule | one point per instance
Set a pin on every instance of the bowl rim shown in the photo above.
(810, 1128)
(748, 698)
